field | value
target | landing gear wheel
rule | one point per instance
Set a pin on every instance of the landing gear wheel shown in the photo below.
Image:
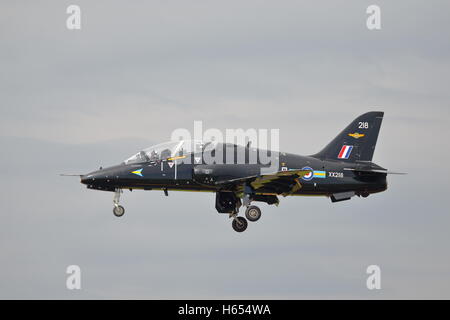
(119, 211)
(239, 224)
(253, 213)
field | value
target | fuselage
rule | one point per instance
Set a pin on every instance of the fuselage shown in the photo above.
(241, 175)
(327, 177)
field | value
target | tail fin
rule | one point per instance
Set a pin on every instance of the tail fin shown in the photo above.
(356, 142)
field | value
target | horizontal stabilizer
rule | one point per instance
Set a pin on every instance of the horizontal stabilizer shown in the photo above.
(370, 167)
(373, 171)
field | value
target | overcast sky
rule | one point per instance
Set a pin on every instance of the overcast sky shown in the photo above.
(71, 101)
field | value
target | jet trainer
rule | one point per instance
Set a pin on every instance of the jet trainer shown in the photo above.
(340, 171)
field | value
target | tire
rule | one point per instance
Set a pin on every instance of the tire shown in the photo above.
(239, 224)
(253, 213)
(119, 211)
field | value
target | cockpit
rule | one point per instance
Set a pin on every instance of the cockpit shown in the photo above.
(170, 149)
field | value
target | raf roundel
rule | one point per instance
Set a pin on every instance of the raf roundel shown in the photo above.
(310, 175)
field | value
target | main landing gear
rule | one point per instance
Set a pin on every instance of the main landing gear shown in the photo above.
(228, 202)
(253, 213)
(118, 210)
(239, 224)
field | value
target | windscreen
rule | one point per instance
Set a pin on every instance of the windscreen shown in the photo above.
(154, 153)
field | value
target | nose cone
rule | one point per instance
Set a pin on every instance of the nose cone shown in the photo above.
(92, 178)
(86, 180)
(95, 177)
(97, 180)
(103, 179)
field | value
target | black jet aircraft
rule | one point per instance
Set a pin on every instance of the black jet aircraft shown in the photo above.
(342, 170)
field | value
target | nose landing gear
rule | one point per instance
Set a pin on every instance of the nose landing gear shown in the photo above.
(118, 210)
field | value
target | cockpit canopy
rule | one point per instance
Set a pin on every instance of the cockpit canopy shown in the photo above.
(170, 149)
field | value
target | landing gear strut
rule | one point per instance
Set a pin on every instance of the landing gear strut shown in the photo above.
(118, 210)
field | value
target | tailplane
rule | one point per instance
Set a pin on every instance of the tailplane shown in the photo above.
(357, 141)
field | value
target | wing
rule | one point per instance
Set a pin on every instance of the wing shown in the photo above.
(281, 182)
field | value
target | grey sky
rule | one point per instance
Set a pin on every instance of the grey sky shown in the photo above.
(74, 100)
